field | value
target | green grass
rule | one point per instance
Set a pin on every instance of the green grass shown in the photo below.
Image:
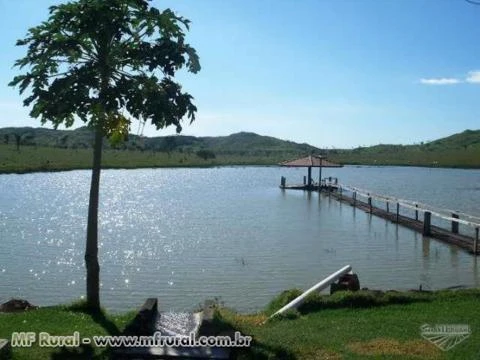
(412, 156)
(31, 158)
(65, 150)
(361, 325)
(459, 150)
(62, 320)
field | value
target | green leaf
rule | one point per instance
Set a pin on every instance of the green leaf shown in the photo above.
(93, 59)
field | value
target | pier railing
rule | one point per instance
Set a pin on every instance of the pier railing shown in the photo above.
(381, 205)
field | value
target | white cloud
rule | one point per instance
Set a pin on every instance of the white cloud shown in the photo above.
(473, 77)
(440, 81)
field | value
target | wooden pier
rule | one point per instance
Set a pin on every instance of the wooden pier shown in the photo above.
(391, 211)
(329, 184)
(311, 161)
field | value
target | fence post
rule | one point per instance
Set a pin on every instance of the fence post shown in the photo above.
(416, 212)
(388, 207)
(475, 242)
(427, 219)
(370, 203)
(398, 210)
(455, 224)
(354, 198)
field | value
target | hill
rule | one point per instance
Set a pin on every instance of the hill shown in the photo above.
(38, 149)
(458, 150)
(243, 143)
(45, 149)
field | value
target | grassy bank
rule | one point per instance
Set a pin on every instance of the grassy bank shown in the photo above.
(436, 154)
(412, 157)
(48, 150)
(31, 159)
(62, 320)
(361, 325)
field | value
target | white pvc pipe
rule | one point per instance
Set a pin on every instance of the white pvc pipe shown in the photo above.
(318, 287)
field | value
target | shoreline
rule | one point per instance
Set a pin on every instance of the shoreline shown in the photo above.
(43, 169)
(343, 325)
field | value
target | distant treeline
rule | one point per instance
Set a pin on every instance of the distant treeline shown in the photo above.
(459, 150)
(240, 144)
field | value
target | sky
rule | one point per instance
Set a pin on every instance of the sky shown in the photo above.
(331, 73)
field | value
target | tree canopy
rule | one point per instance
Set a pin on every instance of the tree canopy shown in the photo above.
(94, 59)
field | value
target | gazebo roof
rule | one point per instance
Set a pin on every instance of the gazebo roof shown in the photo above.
(310, 161)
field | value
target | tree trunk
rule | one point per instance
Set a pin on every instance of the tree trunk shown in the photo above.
(91, 253)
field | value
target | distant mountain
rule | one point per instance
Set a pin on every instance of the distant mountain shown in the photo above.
(460, 140)
(458, 150)
(239, 144)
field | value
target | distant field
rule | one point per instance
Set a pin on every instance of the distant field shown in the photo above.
(412, 155)
(49, 150)
(458, 150)
(31, 158)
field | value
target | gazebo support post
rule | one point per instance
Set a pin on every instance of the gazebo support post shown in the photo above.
(320, 171)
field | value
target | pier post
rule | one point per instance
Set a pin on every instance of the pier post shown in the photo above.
(388, 207)
(416, 212)
(341, 192)
(427, 219)
(454, 223)
(370, 203)
(398, 211)
(304, 180)
(282, 181)
(354, 198)
(475, 242)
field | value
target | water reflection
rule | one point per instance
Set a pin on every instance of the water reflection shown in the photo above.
(426, 247)
(206, 238)
(454, 257)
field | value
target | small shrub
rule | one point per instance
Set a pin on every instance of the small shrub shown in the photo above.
(290, 314)
(205, 154)
(281, 300)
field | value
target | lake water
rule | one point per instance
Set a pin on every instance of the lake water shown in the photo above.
(186, 235)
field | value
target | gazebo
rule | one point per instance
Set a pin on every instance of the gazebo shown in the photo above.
(310, 162)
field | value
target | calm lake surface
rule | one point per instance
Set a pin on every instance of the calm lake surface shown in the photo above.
(186, 235)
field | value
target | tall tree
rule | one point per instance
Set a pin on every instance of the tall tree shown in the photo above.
(104, 62)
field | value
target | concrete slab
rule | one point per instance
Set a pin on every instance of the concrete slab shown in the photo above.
(176, 353)
(5, 349)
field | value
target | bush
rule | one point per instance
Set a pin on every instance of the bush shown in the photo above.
(360, 299)
(205, 154)
(281, 300)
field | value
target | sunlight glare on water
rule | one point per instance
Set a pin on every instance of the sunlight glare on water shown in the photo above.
(187, 235)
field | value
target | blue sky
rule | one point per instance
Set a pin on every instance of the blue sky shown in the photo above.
(332, 73)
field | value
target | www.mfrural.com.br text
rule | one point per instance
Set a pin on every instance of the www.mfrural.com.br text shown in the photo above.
(45, 339)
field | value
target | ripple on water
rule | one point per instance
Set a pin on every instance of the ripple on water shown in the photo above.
(230, 233)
